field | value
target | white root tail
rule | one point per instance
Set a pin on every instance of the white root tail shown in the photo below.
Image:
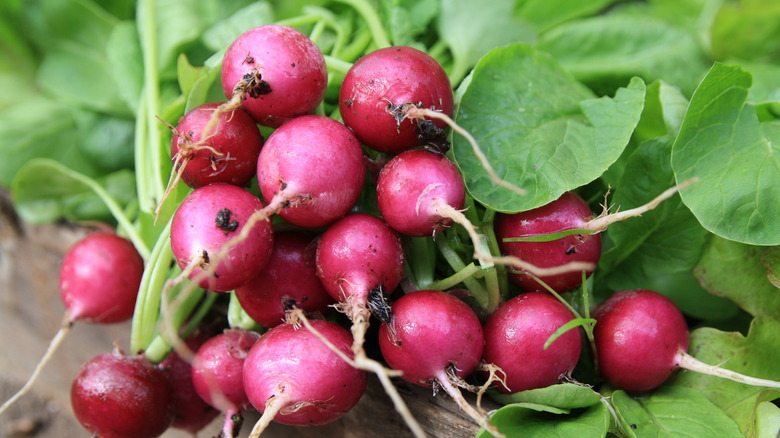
(688, 362)
(480, 418)
(272, 407)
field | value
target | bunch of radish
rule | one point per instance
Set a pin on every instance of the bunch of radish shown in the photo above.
(276, 225)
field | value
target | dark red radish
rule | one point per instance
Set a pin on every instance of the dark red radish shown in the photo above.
(276, 73)
(641, 339)
(381, 85)
(417, 192)
(118, 396)
(435, 339)
(294, 378)
(315, 160)
(227, 155)
(515, 335)
(191, 412)
(217, 375)
(215, 240)
(98, 280)
(288, 279)
(568, 212)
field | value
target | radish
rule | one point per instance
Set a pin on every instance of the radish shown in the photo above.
(359, 257)
(556, 242)
(419, 192)
(99, 280)
(377, 90)
(191, 412)
(641, 339)
(292, 377)
(515, 335)
(436, 340)
(289, 279)
(315, 160)
(217, 375)
(228, 155)
(117, 396)
(214, 239)
(569, 211)
(276, 73)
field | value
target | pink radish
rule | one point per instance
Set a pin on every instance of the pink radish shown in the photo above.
(117, 396)
(99, 280)
(217, 375)
(317, 161)
(205, 235)
(567, 212)
(641, 339)
(515, 336)
(292, 377)
(289, 279)
(419, 192)
(435, 339)
(228, 155)
(276, 73)
(379, 88)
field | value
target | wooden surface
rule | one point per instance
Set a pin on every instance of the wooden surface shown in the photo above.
(31, 313)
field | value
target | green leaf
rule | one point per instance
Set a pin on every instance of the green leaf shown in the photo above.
(126, 63)
(223, 33)
(749, 29)
(751, 289)
(604, 52)
(736, 158)
(540, 129)
(673, 411)
(471, 29)
(562, 396)
(767, 420)
(408, 19)
(770, 259)
(528, 420)
(546, 14)
(663, 113)
(756, 354)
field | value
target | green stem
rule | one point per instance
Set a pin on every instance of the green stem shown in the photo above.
(162, 344)
(360, 40)
(372, 19)
(459, 277)
(475, 287)
(237, 316)
(147, 306)
(337, 65)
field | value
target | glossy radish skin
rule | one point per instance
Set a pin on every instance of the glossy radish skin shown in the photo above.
(567, 212)
(99, 278)
(288, 62)
(289, 278)
(236, 137)
(515, 335)
(117, 396)
(205, 221)
(359, 253)
(217, 370)
(429, 332)
(638, 335)
(392, 76)
(410, 185)
(295, 367)
(316, 157)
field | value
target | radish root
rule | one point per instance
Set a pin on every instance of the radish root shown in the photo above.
(445, 380)
(688, 362)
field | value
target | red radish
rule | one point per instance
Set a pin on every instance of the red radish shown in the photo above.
(418, 191)
(208, 238)
(117, 396)
(99, 280)
(314, 159)
(228, 155)
(276, 73)
(435, 339)
(293, 378)
(515, 335)
(378, 88)
(569, 211)
(217, 375)
(641, 338)
(191, 412)
(289, 279)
